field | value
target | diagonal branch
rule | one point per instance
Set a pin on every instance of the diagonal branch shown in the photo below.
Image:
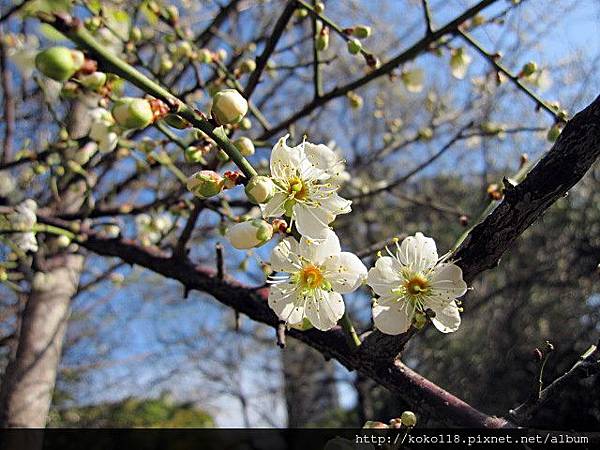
(262, 60)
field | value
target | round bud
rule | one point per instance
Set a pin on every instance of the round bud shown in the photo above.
(182, 49)
(425, 133)
(172, 13)
(319, 7)
(301, 13)
(354, 46)
(94, 81)
(260, 189)
(249, 234)
(193, 154)
(135, 35)
(529, 69)
(245, 124)
(408, 418)
(322, 42)
(166, 64)
(205, 56)
(356, 101)
(229, 107)
(205, 184)
(133, 113)
(175, 121)
(248, 66)
(244, 145)
(361, 31)
(59, 63)
(63, 241)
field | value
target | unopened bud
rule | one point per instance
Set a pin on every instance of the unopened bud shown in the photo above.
(63, 241)
(193, 154)
(248, 66)
(172, 13)
(135, 34)
(94, 81)
(133, 113)
(205, 56)
(529, 69)
(464, 220)
(408, 418)
(229, 107)
(300, 13)
(244, 145)
(322, 41)
(59, 63)
(205, 184)
(245, 124)
(249, 234)
(260, 189)
(319, 7)
(354, 46)
(356, 101)
(413, 80)
(425, 134)
(361, 31)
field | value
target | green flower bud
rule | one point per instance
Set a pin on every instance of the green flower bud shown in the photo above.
(301, 13)
(166, 64)
(59, 63)
(248, 66)
(354, 46)
(260, 189)
(229, 107)
(175, 121)
(94, 81)
(182, 49)
(361, 31)
(356, 101)
(244, 145)
(245, 124)
(408, 418)
(135, 34)
(205, 56)
(205, 184)
(529, 69)
(322, 42)
(193, 154)
(63, 241)
(319, 7)
(133, 113)
(172, 13)
(249, 234)
(425, 133)
(413, 80)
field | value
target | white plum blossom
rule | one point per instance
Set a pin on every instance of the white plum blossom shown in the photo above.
(314, 276)
(7, 183)
(306, 185)
(152, 229)
(24, 218)
(101, 130)
(413, 280)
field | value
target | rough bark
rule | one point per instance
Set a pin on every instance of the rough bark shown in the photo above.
(30, 377)
(28, 384)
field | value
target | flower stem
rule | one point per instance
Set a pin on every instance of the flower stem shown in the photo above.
(77, 33)
(349, 329)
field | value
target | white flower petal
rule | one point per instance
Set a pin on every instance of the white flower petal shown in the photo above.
(284, 256)
(312, 222)
(418, 252)
(323, 158)
(385, 276)
(316, 251)
(284, 158)
(274, 207)
(345, 273)
(391, 316)
(324, 309)
(284, 301)
(336, 205)
(447, 319)
(446, 282)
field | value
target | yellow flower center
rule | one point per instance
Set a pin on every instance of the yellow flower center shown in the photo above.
(416, 285)
(297, 189)
(311, 277)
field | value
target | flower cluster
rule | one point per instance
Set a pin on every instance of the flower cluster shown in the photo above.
(23, 219)
(312, 273)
